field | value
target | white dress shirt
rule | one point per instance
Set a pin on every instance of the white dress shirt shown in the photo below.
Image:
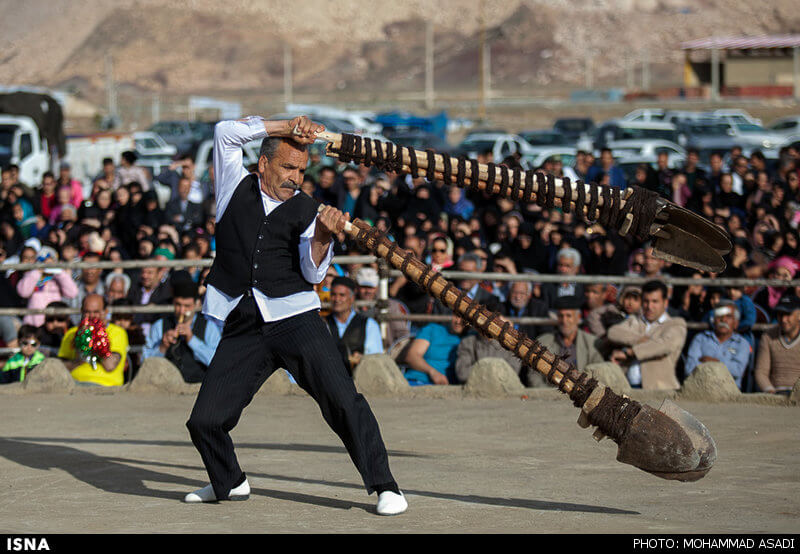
(229, 137)
(635, 368)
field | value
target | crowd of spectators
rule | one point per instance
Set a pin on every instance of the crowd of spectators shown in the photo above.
(118, 216)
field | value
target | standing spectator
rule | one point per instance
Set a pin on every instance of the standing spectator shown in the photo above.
(41, 287)
(367, 279)
(75, 187)
(128, 172)
(356, 335)
(106, 366)
(185, 338)
(651, 343)
(28, 357)
(616, 176)
(89, 283)
(171, 177)
(721, 343)
(432, 355)
(778, 360)
(693, 173)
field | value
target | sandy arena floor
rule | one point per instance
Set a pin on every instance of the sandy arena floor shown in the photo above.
(466, 465)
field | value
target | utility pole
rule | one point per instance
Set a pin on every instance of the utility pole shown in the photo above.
(111, 91)
(482, 66)
(645, 70)
(714, 74)
(429, 95)
(155, 109)
(589, 76)
(287, 73)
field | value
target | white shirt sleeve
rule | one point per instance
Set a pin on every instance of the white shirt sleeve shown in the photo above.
(311, 272)
(229, 170)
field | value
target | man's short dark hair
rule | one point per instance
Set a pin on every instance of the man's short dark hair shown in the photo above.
(107, 161)
(270, 145)
(694, 151)
(185, 289)
(129, 156)
(652, 286)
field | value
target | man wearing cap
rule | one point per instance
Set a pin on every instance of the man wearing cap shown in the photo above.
(357, 335)
(649, 345)
(185, 337)
(721, 343)
(778, 359)
(577, 347)
(367, 279)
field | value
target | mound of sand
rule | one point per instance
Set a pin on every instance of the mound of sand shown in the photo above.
(491, 377)
(710, 382)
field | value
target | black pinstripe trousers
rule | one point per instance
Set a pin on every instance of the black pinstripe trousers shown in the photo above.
(248, 352)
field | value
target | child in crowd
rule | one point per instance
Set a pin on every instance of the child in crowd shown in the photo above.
(26, 359)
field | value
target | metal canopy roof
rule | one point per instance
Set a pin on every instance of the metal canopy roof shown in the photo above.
(744, 42)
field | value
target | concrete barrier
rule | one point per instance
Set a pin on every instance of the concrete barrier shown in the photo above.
(491, 377)
(378, 374)
(611, 375)
(49, 376)
(160, 375)
(710, 382)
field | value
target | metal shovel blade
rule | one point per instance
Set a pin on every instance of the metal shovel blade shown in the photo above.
(669, 443)
(687, 249)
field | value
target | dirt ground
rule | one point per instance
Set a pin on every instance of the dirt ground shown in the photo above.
(122, 463)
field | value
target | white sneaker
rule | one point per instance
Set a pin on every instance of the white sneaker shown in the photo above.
(206, 494)
(390, 503)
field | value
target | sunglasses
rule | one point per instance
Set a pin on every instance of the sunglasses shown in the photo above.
(30, 343)
(439, 250)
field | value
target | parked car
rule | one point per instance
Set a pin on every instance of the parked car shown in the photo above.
(501, 145)
(574, 127)
(616, 130)
(545, 138)
(535, 160)
(787, 127)
(649, 149)
(420, 140)
(183, 135)
(645, 114)
(752, 136)
(706, 136)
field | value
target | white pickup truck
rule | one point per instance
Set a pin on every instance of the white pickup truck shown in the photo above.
(21, 144)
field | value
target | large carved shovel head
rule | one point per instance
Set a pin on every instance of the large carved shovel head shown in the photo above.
(669, 443)
(682, 236)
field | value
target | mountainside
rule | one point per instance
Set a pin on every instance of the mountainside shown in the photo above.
(198, 45)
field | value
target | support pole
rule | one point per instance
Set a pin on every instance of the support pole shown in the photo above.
(429, 98)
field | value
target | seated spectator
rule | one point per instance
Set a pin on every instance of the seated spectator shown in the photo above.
(185, 338)
(782, 268)
(102, 365)
(356, 334)
(721, 343)
(117, 286)
(367, 279)
(88, 283)
(153, 288)
(55, 327)
(28, 357)
(181, 212)
(41, 287)
(651, 344)
(521, 303)
(474, 347)
(575, 346)
(471, 263)
(778, 360)
(431, 357)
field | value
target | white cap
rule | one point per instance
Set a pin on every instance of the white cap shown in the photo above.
(367, 277)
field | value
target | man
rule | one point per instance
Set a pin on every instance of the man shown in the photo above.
(356, 334)
(474, 347)
(577, 347)
(117, 286)
(185, 337)
(171, 176)
(272, 246)
(153, 288)
(664, 174)
(651, 343)
(106, 366)
(607, 166)
(181, 212)
(778, 361)
(470, 263)
(721, 343)
(598, 312)
(568, 263)
(521, 303)
(367, 279)
(691, 170)
(89, 283)
(432, 355)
